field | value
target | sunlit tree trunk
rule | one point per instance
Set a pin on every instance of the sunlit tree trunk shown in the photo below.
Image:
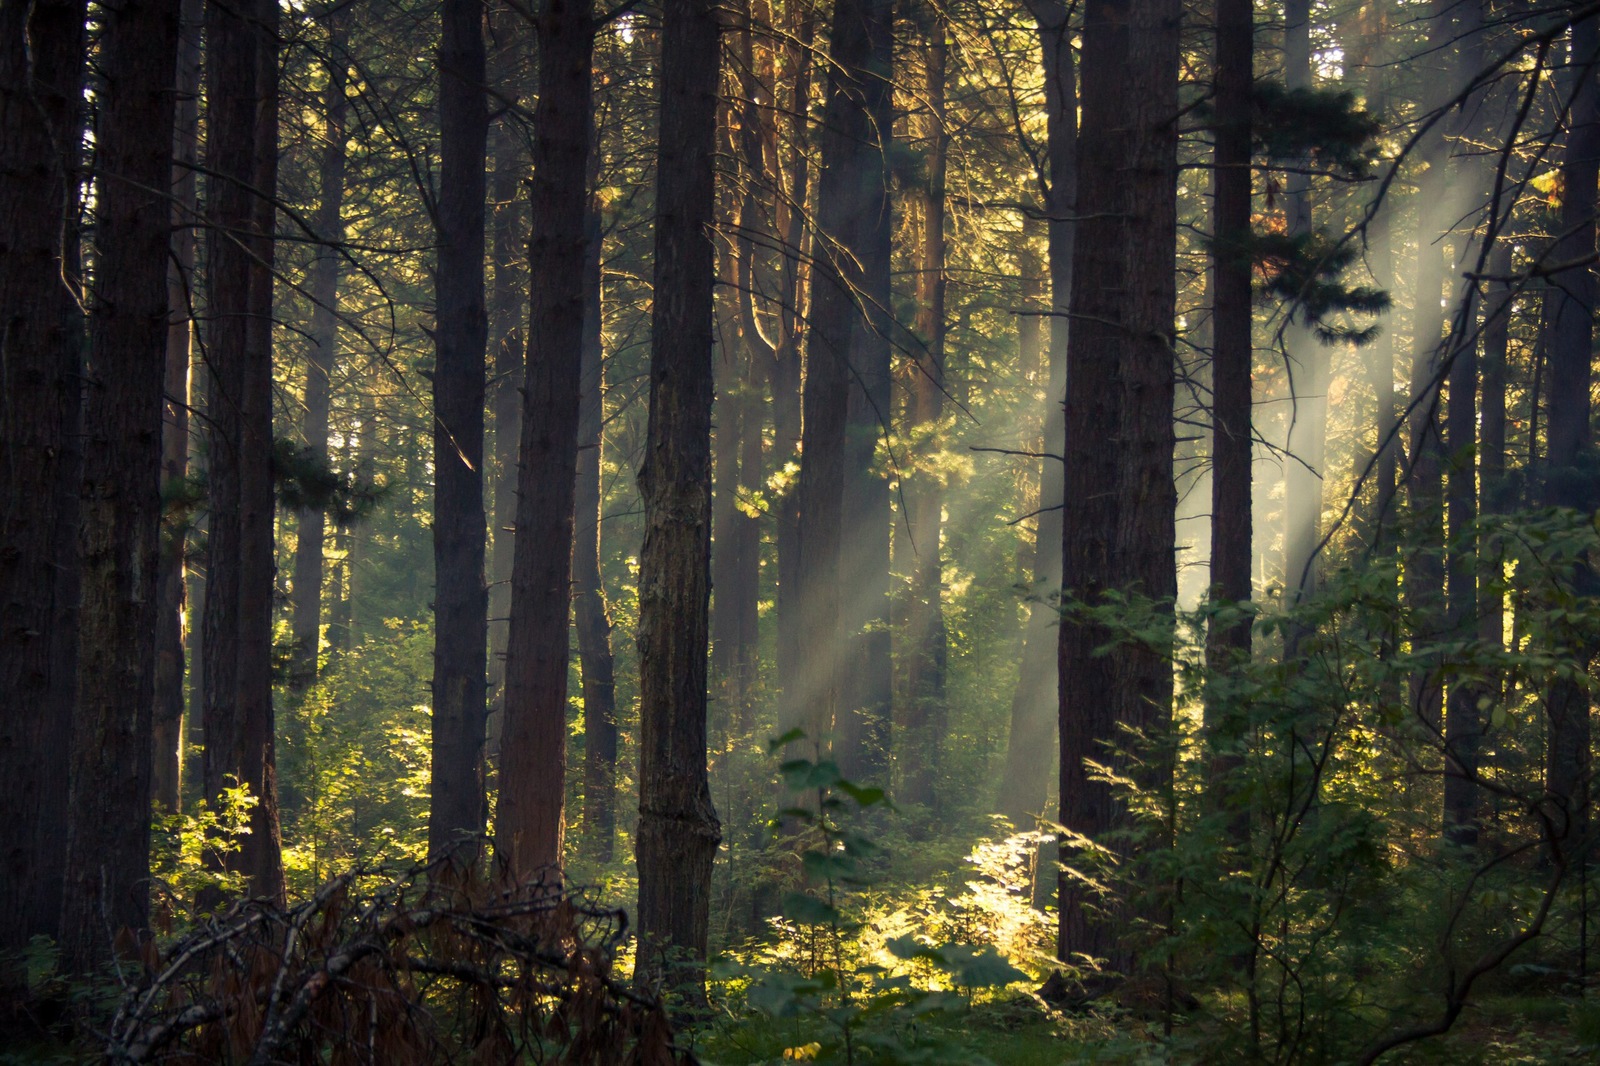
(241, 158)
(588, 589)
(41, 63)
(1118, 536)
(167, 730)
(108, 830)
(678, 829)
(1035, 703)
(321, 353)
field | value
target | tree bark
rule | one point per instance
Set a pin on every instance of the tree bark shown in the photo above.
(41, 63)
(323, 350)
(459, 809)
(1228, 641)
(678, 829)
(108, 830)
(1118, 537)
(1570, 343)
(171, 585)
(588, 588)
(533, 769)
(927, 640)
(1035, 704)
(241, 156)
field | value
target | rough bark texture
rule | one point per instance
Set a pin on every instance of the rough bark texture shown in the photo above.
(533, 764)
(1036, 703)
(678, 829)
(1118, 537)
(41, 60)
(1570, 340)
(321, 353)
(108, 830)
(588, 590)
(461, 600)
(168, 719)
(927, 642)
(241, 157)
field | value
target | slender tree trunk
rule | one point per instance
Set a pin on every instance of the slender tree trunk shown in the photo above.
(588, 588)
(1035, 704)
(864, 678)
(533, 771)
(508, 304)
(41, 62)
(1228, 641)
(1304, 465)
(167, 727)
(1570, 344)
(320, 355)
(927, 639)
(678, 829)
(241, 156)
(108, 829)
(461, 604)
(1118, 537)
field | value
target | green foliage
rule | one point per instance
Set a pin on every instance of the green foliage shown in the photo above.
(1322, 126)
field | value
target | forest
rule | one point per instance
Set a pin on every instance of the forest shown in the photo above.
(751, 531)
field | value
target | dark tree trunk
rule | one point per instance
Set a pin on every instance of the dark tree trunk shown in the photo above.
(784, 368)
(862, 48)
(533, 767)
(167, 728)
(241, 157)
(588, 589)
(1035, 705)
(461, 600)
(41, 62)
(1308, 360)
(1570, 343)
(320, 355)
(678, 829)
(1228, 641)
(926, 639)
(108, 831)
(508, 310)
(1118, 537)
(852, 222)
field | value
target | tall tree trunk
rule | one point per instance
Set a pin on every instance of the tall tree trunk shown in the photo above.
(927, 639)
(784, 368)
(588, 588)
(864, 667)
(508, 303)
(108, 828)
(461, 600)
(1035, 704)
(1118, 537)
(323, 350)
(1308, 434)
(241, 156)
(678, 829)
(1228, 641)
(852, 221)
(1570, 344)
(41, 63)
(533, 767)
(167, 728)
